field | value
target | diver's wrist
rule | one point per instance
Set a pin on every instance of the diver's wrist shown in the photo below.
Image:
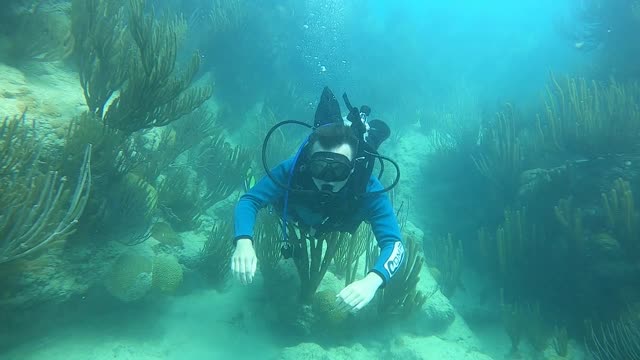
(374, 279)
(244, 241)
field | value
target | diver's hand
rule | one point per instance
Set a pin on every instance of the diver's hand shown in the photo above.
(244, 261)
(359, 293)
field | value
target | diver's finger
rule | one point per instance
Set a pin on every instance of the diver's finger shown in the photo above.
(340, 297)
(247, 269)
(234, 269)
(342, 305)
(344, 293)
(243, 271)
(359, 306)
(352, 299)
(254, 265)
(358, 303)
(251, 270)
(352, 305)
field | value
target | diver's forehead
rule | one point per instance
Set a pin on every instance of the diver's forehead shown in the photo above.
(343, 149)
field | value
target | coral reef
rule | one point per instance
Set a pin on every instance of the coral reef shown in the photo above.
(133, 275)
(326, 311)
(127, 214)
(400, 298)
(164, 233)
(622, 217)
(125, 53)
(614, 340)
(196, 167)
(350, 251)
(501, 159)
(570, 218)
(508, 249)
(524, 321)
(167, 273)
(130, 277)
(38, 207)
(312, 257)
(180, 200)
(218, 15)
(267, 239)
(215, 256)
(41, 32)
(589, 118)
(222, 165)
(446, 263)
(561, 341)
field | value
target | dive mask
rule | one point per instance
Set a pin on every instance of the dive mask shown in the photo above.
(329, 166)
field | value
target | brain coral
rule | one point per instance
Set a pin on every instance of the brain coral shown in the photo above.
(167, 273)
(130, 277)
(325, 309)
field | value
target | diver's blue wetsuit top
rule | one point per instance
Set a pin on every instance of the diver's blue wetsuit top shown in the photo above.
(375, 209)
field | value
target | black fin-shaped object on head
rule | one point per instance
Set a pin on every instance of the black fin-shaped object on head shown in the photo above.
(328, 110)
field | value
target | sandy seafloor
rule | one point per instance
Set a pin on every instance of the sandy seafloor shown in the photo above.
(210, 325)
(201, 325)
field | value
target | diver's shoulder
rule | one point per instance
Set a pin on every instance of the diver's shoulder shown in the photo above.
(374, 184)
(282, 169)
(288, 163)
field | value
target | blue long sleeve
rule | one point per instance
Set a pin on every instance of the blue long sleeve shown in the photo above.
(263, 193)
(386, 230)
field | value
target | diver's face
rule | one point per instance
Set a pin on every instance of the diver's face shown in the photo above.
(333, 186)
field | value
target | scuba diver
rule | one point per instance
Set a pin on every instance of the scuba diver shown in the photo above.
(327, 186)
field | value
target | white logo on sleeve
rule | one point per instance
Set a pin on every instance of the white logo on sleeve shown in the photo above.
(395, 259)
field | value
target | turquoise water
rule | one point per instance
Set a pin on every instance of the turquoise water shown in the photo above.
(131, 129)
